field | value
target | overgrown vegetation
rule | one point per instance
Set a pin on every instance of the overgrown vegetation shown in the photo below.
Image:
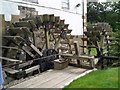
(107, 12)
(115, 47)
(104, 12)
(93, 51)
(98, 79)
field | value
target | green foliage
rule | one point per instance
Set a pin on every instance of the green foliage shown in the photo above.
(115, 47)
(104, 12)
(98, 79)
(93, 51)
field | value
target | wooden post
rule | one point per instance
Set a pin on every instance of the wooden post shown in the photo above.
(92, 63)
(47, 37)
(77, 51)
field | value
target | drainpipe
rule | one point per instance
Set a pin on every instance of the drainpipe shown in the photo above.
(83, 22)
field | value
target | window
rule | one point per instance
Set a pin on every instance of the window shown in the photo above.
(65, 4)
(32, 1)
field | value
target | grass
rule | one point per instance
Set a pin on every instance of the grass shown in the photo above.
(98, 79)
(93, 51)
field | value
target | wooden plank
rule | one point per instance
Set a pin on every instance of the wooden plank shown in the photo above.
(76, 46)
(27, 51)
(85, 39)
(63, 48)
(9, 59)
(24, 47)
(15, 18)
(68, 79)
(29, 24)
(70, 36)
(77, 51)
(15, 28)
(11, 36)
(25, 64)
(43, 77)
(101, 42)
(66, 26)
(19, 30)
(64, 42)
(35, 80)
(35, 49)
(92, 46)
(68, 31)
(59, 31)
(22, 23)
(57, 18)
(45, 18)
(11, 71)
(52, 18)
(92, 63)
(62, 22)
(51, 79)
(71, 56)
(30, 18)
(31, 69)
(7, 47)
(39, 19)
(47, 39)
(61, 78)
(30, 45)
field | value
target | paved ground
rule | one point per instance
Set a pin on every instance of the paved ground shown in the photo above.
(52, 78)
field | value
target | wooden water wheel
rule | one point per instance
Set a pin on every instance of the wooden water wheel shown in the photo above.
(29, 44)
(42, 31)
(98, 36)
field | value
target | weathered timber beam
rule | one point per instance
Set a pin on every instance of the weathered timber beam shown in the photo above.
(9, 59)
(77, 51)
(71, 56)
(21, 65)
(7, 47)
(84, 38)
(10, 70)
(32, 69)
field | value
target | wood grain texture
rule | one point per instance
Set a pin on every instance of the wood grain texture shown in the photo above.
(52, 78)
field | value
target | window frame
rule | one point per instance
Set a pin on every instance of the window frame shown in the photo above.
(31, 1)
(67, 3)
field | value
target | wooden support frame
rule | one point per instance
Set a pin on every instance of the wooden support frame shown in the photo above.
(71, 56)
(11, 60)
(47, 39)
(77, 52)
(33, 69)
(81, 57)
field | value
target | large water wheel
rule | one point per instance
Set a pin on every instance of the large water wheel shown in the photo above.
(35, 41)
(43, 31)
(98, 36)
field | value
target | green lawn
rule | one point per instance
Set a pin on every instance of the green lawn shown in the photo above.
(98, 79)
(93, 51)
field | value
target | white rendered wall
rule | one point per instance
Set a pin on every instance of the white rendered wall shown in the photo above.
(73, 17)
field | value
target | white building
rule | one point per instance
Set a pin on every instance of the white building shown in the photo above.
(70, 10)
